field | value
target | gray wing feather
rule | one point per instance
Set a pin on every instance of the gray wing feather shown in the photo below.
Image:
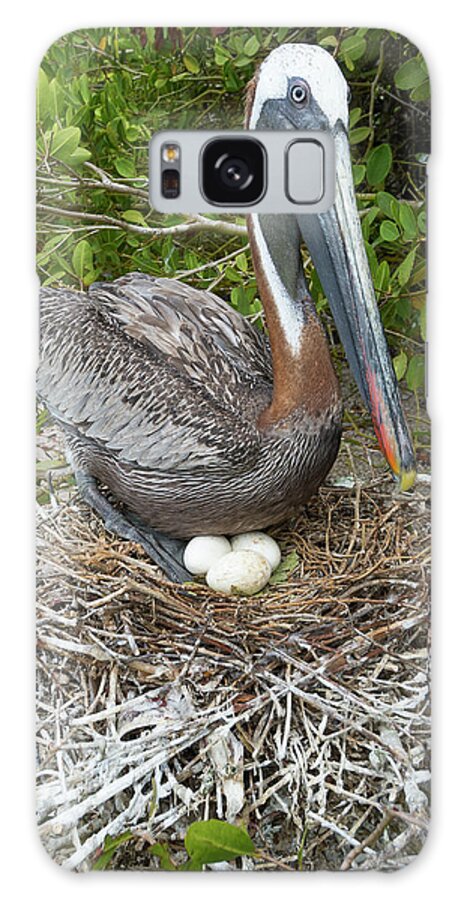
(155, 371)
(195, 329)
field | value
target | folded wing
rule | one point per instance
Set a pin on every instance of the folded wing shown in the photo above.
(160, 374)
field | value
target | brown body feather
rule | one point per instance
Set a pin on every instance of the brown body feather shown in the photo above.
(162, 391)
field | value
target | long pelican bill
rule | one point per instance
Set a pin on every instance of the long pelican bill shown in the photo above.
(335, 243)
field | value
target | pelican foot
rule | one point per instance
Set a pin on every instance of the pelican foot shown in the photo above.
(166, 552)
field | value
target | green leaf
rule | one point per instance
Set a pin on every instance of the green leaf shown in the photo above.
(134, 216)
(82, 258)
(359, 173)
(89, 277)
(379, 163)
(65, 142)
(285, 568)
(221, 55)
(385, 203)
(84, 88)
(329, 41)
(422, 92)
(241, 298)
(80, 156)
(403, 272)
(192, 865)
(44, 99)
(382, 276)
(407, 221)
(231, 82)
(242, 262)
(353, 46)
(216, 841)
(112, 130)
(132, 133)
(58, 99)
(371, 215)
(423, 321)
(355, 115)
(255, 309)
(400, 364)
(411, 74)
(389, 231)
(251, 46)
(180, 77)
(415, 373)
(48, 248)
(395, 210)
(359, 134)
(232, 275)
(422, 221)
(372, 259)
(125, 167)
(161, 851)
(109, 848)
(242, 61)
(191, 64)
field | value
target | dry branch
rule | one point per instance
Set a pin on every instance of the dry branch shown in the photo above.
(319, 686)
(195, 225)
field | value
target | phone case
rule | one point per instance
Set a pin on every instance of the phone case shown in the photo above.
(252, 702)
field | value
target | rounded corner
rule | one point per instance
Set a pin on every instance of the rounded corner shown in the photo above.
(419, 52)
(59, 37)
(415, 859)
(46, 854)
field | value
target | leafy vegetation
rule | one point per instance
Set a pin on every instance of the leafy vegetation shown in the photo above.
(285, 569)
(102, 93)
(205, 843)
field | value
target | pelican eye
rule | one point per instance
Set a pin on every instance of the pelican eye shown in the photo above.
(299, 93)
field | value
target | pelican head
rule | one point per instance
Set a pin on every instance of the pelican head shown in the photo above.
(300, 86)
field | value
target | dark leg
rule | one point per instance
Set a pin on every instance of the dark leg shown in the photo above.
(166, 552)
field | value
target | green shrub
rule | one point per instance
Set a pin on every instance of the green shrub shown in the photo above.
(102, 93)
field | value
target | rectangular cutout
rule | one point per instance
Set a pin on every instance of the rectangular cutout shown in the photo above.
(298, 174)
(304, 168)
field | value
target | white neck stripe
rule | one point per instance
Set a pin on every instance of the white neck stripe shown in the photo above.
(289, 313)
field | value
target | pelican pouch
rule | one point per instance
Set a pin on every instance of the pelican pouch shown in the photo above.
(232, 450)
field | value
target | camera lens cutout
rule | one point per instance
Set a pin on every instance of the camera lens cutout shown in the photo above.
(170, 184)
(233, 171)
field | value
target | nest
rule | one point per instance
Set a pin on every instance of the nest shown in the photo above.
(301, 712)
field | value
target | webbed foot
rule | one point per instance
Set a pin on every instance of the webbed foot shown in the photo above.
(165, 551)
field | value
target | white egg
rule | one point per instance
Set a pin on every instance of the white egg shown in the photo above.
(203, 551)
(261, 543)
(239, 572)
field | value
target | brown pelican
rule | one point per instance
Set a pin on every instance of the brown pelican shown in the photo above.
(191, 420)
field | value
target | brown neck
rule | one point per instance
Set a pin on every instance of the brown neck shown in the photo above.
(303, 374)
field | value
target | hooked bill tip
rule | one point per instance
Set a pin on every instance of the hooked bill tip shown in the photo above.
(400, 462)
(406, 479)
